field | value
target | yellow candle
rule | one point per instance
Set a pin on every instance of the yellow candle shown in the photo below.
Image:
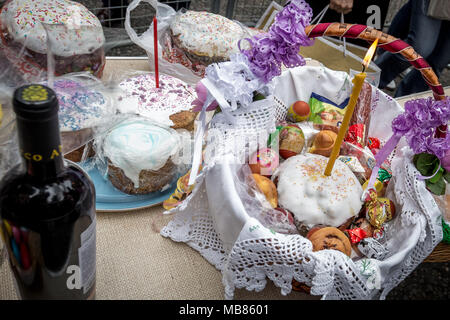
(358, 81)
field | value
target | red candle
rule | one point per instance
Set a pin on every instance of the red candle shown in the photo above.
(155, 38)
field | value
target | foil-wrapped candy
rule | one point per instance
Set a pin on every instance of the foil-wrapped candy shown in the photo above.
(378, 210)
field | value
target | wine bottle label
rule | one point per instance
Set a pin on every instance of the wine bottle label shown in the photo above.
(55, 267)
(36, 157)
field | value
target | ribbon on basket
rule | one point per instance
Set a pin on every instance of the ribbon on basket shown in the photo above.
(213, 98)
(418, 124)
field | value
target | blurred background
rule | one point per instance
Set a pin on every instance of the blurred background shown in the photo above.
(429, 280)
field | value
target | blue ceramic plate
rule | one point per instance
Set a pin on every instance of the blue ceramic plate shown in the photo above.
(110, 199)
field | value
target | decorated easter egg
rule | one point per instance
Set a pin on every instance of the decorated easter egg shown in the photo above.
(299, 111)
(292, 141)
(264, 162)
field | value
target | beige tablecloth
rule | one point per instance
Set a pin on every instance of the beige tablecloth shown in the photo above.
(135, 262)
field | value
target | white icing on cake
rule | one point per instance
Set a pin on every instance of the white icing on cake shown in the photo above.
(314, 198)
(140, 96)
(75, 30)
(208, 34)
(137, 145)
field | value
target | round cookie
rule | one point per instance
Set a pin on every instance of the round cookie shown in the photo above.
(312, 197)
(330, 238)
(75, 34)
(139, 155)
(170, 104)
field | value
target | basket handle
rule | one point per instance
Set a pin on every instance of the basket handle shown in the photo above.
(387, 42)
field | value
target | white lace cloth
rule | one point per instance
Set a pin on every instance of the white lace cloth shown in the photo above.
(218, 222)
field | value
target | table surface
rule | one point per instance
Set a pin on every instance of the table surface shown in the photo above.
(135, 262)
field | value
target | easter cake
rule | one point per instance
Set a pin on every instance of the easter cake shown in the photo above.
(169, 105)
(205, 38)
(75, 34)
(80, 109)
(316, 199)
(140, 156)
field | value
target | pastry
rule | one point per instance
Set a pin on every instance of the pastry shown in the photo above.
(140, 156)
(312, 197)
(169, 105)
(323, 143)
(75, 33)
(268, 188)
(206, 37)
(330, 238)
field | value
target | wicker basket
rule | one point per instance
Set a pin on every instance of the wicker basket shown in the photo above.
(394, 45)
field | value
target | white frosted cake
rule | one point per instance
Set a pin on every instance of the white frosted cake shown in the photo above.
(139, 155)
(205, 35)
(74, 33)
(170, 104)
(314, 198)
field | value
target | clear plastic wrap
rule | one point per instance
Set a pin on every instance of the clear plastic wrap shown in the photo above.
(135, 92)
(84, 104)
(9, 149)
(326, 114)
(257, 204)
(443, 203)
(183, 63)
(138, 155)
(361, 161)
(54, 36)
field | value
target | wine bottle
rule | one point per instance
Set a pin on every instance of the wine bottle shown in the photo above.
(47, 207)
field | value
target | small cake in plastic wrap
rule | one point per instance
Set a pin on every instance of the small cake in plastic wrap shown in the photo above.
(30, 30)
(82, 106)
(203, 38)
(314, 198)
(140, 155)
(170, 104)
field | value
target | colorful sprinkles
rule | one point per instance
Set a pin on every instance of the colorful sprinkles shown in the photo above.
(208, 34)
(140, 95)
(74, 28)
(79, 106)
